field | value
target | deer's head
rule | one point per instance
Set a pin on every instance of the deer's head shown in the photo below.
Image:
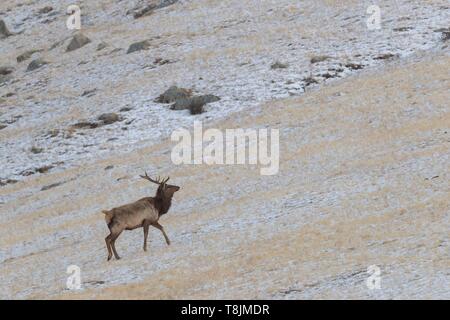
(165, 190)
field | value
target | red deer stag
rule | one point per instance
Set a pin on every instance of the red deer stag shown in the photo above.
(140, 214)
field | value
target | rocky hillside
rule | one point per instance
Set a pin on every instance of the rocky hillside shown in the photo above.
(364, 148)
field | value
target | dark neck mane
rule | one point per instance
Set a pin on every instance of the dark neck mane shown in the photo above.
(162, 203)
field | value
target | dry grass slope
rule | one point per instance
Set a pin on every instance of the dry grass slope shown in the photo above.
(364, 179)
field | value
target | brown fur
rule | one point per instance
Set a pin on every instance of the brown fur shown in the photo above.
(140, 214)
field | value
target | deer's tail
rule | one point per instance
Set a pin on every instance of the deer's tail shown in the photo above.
(108, 216)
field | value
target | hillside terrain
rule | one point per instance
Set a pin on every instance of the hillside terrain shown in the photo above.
(364, 125)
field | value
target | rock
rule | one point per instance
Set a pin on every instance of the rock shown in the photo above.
(84, 125)
(194, 103)
(328, 75)
(317, 59)
(3, 126)
(26, 55)
(309, 81)
(89, 93)
(101, 46)
(445, 33)
(337, 70)
(125, 109)
(143, 12)
(161, 61)
(96, 282)
(354, 66)
(51, 186)
(7, 181)
(182, 104)
(36, 150)
(6, 70)
(27, 173)
(44, 169)
(196, 108)
(182, 99)
(403, 29)
(138, 46)
(78, 41)
(108, 118)
(4, 32)
(386, 56)
(279, 65)
(45, 10)
(149, 8)
(173, 94)
(109, 167)
(36, 64)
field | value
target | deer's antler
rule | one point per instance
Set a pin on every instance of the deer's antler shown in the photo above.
(157, 181)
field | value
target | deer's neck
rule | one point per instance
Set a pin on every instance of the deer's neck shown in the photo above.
(162, 204)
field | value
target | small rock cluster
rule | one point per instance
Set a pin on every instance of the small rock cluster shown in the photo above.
(182, 99)
(102, 120)
(146, 8)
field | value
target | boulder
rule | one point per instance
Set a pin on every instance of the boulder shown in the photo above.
(108, 118)
(138, 46)
(194, 103)
(173, 94)
(45, 10)
(36, 150)
(78, 41)
(36, 64)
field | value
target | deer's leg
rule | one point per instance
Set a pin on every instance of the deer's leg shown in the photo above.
(113, 244)
(160, 227)
(108, 246)
(146, 225)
